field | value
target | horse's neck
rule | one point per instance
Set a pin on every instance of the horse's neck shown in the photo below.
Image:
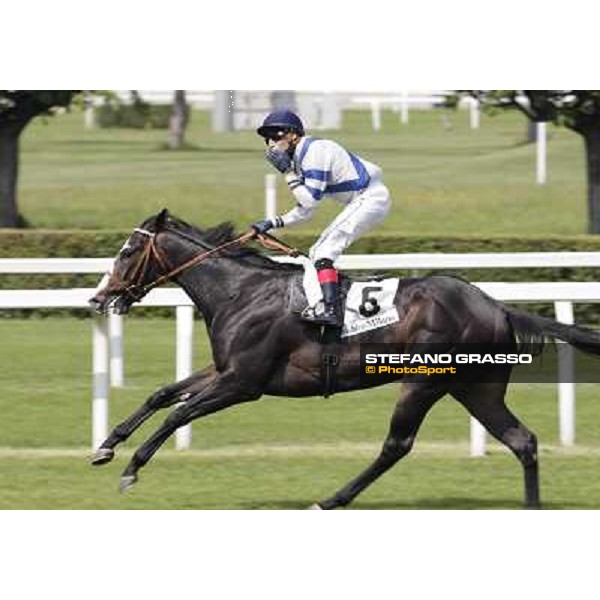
(224, 284)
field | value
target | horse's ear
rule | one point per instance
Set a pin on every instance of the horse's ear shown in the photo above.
(161, 219)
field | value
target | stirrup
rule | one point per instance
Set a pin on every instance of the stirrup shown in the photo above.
(320, 317)
(311, 311)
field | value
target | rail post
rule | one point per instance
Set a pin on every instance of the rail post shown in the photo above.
(115, 335)
(540, 172)
(478, 438)
(183, 368)
(270, 196)
(566, 378)
(100, 384)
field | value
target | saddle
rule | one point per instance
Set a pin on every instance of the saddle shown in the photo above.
(330, 336)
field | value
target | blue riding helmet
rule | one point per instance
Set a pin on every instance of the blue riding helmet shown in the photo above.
(281, 119)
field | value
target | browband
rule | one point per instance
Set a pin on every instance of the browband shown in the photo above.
(144, 232)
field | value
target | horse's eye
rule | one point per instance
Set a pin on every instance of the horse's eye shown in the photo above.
(126, 252)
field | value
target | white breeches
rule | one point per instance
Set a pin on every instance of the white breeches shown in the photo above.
(359, 216)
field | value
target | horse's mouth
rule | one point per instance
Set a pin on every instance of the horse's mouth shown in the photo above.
(118, 304)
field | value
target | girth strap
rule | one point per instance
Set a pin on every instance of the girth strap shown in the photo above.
(330, 358)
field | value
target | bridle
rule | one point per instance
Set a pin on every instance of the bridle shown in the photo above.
(136, 290)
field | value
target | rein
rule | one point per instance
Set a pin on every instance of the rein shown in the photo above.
(137, 291)
(272, 243)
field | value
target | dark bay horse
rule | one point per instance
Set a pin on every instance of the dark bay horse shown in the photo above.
(260, 346)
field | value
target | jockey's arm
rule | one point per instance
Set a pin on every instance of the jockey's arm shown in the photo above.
(298, 214)
(309, 186)
(305, 201)
(303, 211)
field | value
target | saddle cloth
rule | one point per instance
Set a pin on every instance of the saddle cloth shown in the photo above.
(367, 304)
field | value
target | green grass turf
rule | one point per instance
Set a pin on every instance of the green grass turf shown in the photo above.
(185, 482)
(275, 453)
(443, 181)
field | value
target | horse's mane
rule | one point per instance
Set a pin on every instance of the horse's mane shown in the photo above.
(223, 233)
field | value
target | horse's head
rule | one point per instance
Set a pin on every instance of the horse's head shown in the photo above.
(138, 263)
(143, 264)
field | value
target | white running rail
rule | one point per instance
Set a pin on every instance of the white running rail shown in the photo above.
(107, 341)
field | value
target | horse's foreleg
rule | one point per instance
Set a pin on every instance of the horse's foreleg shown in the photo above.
(217, 396)
(180, 391)
(410, 411)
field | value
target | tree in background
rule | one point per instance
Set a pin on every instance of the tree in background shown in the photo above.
(578, 110)
(178, 121)
(17, 109)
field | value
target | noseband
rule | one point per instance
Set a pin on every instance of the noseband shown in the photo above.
(134, 288)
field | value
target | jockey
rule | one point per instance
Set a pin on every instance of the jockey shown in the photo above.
(316, 168)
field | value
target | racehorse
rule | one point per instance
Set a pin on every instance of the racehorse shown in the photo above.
(260, 346)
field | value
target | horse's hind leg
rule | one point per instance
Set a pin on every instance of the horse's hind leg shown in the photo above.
(415, 402)
(485, 401)
(163, 398)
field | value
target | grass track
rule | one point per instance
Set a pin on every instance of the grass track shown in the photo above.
(442, 181)
(270, 454)
(186, 481)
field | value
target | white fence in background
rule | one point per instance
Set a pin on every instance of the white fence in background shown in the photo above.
(401, 103)
(105, 341)
(107, 333)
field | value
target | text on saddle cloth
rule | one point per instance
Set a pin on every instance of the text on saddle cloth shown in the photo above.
(368, 304)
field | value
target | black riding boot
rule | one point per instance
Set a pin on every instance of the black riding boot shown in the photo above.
(331, 315)
(328, 278)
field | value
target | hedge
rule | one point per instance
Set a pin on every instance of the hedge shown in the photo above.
(134, 116)
(101, 243)
(89, 244)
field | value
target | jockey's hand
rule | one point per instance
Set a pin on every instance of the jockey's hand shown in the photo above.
(280, 159)
(262, 226)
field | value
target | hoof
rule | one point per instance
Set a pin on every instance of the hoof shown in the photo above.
(102, 456)
(315, 506)
(127, 482)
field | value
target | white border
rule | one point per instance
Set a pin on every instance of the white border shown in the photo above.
(295, 555)
(309, 45)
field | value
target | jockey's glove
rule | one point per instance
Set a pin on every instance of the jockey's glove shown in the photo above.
(280, 159)
(263, 226)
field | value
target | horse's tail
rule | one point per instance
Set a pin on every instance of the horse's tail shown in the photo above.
(532, 331)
